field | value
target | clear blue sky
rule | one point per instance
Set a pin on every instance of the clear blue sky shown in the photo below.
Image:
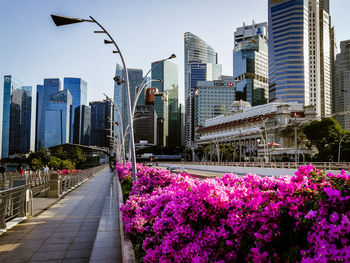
(33, 48)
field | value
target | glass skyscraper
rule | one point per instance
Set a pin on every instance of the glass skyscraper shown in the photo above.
(120, 98)
(82, 125)
(197, 53)
(50, 87)
(250, 63)
(17, 130)
(78, 89)
(100, 124)
(168, 73)
(58, 119)
(342, 85)
(300, 53)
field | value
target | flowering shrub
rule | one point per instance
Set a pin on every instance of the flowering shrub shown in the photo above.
(179, 218)
(66, 171)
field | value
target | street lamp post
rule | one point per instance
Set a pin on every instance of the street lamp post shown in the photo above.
(342, 138)
(121, 124)
(60, 21)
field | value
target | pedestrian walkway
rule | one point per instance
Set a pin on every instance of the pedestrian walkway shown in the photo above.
(65, 232)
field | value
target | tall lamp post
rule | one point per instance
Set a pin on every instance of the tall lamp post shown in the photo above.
(342, 138)
(61, 21)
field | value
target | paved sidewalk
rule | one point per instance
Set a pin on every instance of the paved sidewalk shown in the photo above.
(63, 233)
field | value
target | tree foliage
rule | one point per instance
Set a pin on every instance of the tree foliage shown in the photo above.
(325, 136)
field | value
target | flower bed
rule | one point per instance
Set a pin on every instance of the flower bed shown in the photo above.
(178, 218)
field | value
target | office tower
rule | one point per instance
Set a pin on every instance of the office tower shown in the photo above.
(82, 125)
(201, 63)
(167, 72)
(342, 85)
(120, 95)
(250, 63)
(50, 87)
(300, 53)
(101, 114)
(161, 108)
(145, 124)
(212, 98)
(17, 130)
(78, 89)
(58, 118)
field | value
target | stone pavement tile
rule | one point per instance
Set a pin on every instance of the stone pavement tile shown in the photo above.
(59, 240)
(64, 234)
(38, 234)
(15, 257)
(67, 228)
(78, 253)
(44, 261)
(48, 255)
(54, 247)
(76, 260)
(104, 253)
(82, 245)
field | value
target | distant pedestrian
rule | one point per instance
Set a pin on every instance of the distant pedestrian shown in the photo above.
(21, 170)
(2, 169)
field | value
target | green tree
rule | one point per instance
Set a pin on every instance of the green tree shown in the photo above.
(66, 164)
(36, 164)
(324, 135)
(55, 162)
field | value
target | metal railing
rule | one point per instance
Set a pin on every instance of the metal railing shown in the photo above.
(37, 180)
(14, 203)
(282, 165)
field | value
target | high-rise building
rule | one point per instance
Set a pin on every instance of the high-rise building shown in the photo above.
(82, 125)
(50, 87)
(168, 73)
(78, 89)
(212, 98)
(145, 124)
(101, 113)
(250, 63)
(58, 118)
(17, 122)
(342, 85)
(162, 110)
(201, 63)
(120, 95)
(300, 53)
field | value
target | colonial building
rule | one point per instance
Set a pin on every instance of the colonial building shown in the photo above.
(270, 131)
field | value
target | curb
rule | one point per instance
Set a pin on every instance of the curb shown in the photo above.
(128, 255)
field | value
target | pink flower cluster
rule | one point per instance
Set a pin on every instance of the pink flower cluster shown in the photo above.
(66, 171)
(179, 218)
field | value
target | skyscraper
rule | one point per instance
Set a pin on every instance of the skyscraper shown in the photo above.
(342, 85)
(250, 63)
(100, 124)
(17, 130)
(300, 53)
(82, 125)
(168, 73)
(58, 119)
(78, 89)
(50, 87)
(197, 53)
(162, 110)
(120, 96)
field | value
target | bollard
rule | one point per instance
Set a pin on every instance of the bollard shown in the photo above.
(54, 186)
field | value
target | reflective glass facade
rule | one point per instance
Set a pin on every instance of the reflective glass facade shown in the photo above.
(78, 89)
(196, 51)
(82, 125)
(16, 118)
(342, 85)
(100, 124)
(50, 87)
(58, 119)
(161, 108)
(168, 73)
(288, 51)
(250, 64)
